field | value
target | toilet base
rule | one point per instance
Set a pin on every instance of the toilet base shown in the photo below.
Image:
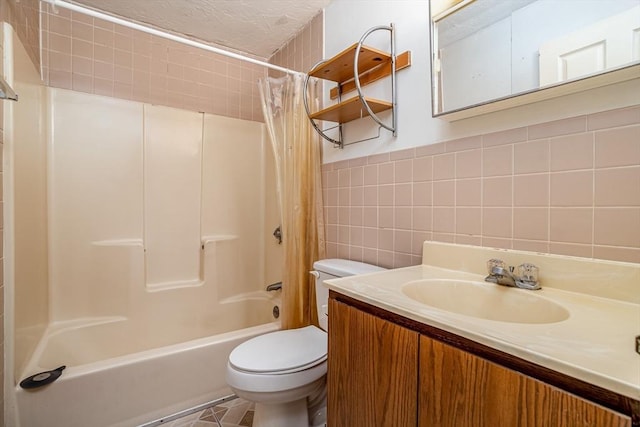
(290, 414)
(317, 407)
(279, 410)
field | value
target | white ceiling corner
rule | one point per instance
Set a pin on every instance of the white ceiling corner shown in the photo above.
(256, 27)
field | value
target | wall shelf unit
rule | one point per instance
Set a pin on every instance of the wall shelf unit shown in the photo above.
(355, 67)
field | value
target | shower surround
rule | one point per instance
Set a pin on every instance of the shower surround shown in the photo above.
(155, 253)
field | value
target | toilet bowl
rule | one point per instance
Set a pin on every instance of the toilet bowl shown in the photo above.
(284, 372)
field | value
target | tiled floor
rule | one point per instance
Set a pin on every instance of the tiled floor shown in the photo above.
(234, 413)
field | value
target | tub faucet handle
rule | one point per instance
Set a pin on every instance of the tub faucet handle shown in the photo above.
(274, 286)
(277, 233)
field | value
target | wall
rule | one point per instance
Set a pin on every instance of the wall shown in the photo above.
(91, 55)
(346, 21)
(24, 213)
(304, 50)
(23, 17)
(542, 177)
(566, 187)
(136, 228)
(26, 186)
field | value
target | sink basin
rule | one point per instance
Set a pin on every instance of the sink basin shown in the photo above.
(485, 301)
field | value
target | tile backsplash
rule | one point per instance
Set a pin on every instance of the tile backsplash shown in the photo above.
(568, 187)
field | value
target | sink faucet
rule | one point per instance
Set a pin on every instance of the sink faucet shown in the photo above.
(527, 277)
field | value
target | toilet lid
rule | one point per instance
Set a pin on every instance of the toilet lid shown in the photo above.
(282, 351)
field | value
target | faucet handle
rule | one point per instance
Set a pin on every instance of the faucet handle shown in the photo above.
(528, 272)
(493, 263)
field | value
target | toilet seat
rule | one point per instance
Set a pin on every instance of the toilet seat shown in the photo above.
(292, 362)
(281, 352)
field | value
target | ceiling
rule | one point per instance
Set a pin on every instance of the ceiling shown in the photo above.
(257, 27)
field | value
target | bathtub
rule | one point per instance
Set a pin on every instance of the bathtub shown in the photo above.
(116, 378)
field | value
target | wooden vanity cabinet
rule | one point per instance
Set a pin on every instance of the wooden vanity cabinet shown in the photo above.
(385, 371)
(460, 389)
(373, 370)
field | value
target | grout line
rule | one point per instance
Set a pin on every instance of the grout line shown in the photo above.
(215, 416)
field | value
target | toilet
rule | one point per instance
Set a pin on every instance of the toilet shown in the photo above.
(284, 372)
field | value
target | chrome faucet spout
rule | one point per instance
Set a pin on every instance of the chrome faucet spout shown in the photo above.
(527, 278)
(504, 274)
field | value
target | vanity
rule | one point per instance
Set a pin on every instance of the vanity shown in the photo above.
(436, 345)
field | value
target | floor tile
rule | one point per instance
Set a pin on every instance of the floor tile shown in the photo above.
(233, 413)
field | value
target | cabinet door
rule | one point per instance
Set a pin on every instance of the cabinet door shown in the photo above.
(459, 389)
(373, 370)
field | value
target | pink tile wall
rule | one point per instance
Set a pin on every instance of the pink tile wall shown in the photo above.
(90, 55)
(24, 17)
(304, 50)
(565, 187)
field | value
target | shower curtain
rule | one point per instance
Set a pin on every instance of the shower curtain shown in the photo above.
(298, 158)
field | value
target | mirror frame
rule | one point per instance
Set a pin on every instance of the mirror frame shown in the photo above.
(611, 76)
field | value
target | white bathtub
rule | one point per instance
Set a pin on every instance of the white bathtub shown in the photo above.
(105, 384)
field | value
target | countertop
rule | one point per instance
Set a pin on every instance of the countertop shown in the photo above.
(595, 344)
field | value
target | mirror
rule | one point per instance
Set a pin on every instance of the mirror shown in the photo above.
(489, 55)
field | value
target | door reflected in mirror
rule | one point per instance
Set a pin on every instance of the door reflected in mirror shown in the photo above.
(492, 50)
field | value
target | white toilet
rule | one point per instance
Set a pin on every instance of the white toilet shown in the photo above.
(283, 372)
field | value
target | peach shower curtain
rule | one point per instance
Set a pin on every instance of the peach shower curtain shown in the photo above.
(298, 157)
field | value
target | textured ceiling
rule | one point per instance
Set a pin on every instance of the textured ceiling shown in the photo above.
(258, 27)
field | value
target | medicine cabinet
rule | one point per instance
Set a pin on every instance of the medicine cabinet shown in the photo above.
(489, 55)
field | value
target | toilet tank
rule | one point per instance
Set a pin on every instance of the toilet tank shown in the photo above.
(326, 269)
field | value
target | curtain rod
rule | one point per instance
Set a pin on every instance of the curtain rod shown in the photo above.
(169, 36)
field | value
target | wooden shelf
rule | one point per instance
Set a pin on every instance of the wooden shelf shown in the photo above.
(369, 76)
(340, 67)
(350, 109)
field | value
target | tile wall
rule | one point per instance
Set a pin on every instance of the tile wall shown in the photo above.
(91, 55)
(24, 17)
(304, 50)
(566, 187)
